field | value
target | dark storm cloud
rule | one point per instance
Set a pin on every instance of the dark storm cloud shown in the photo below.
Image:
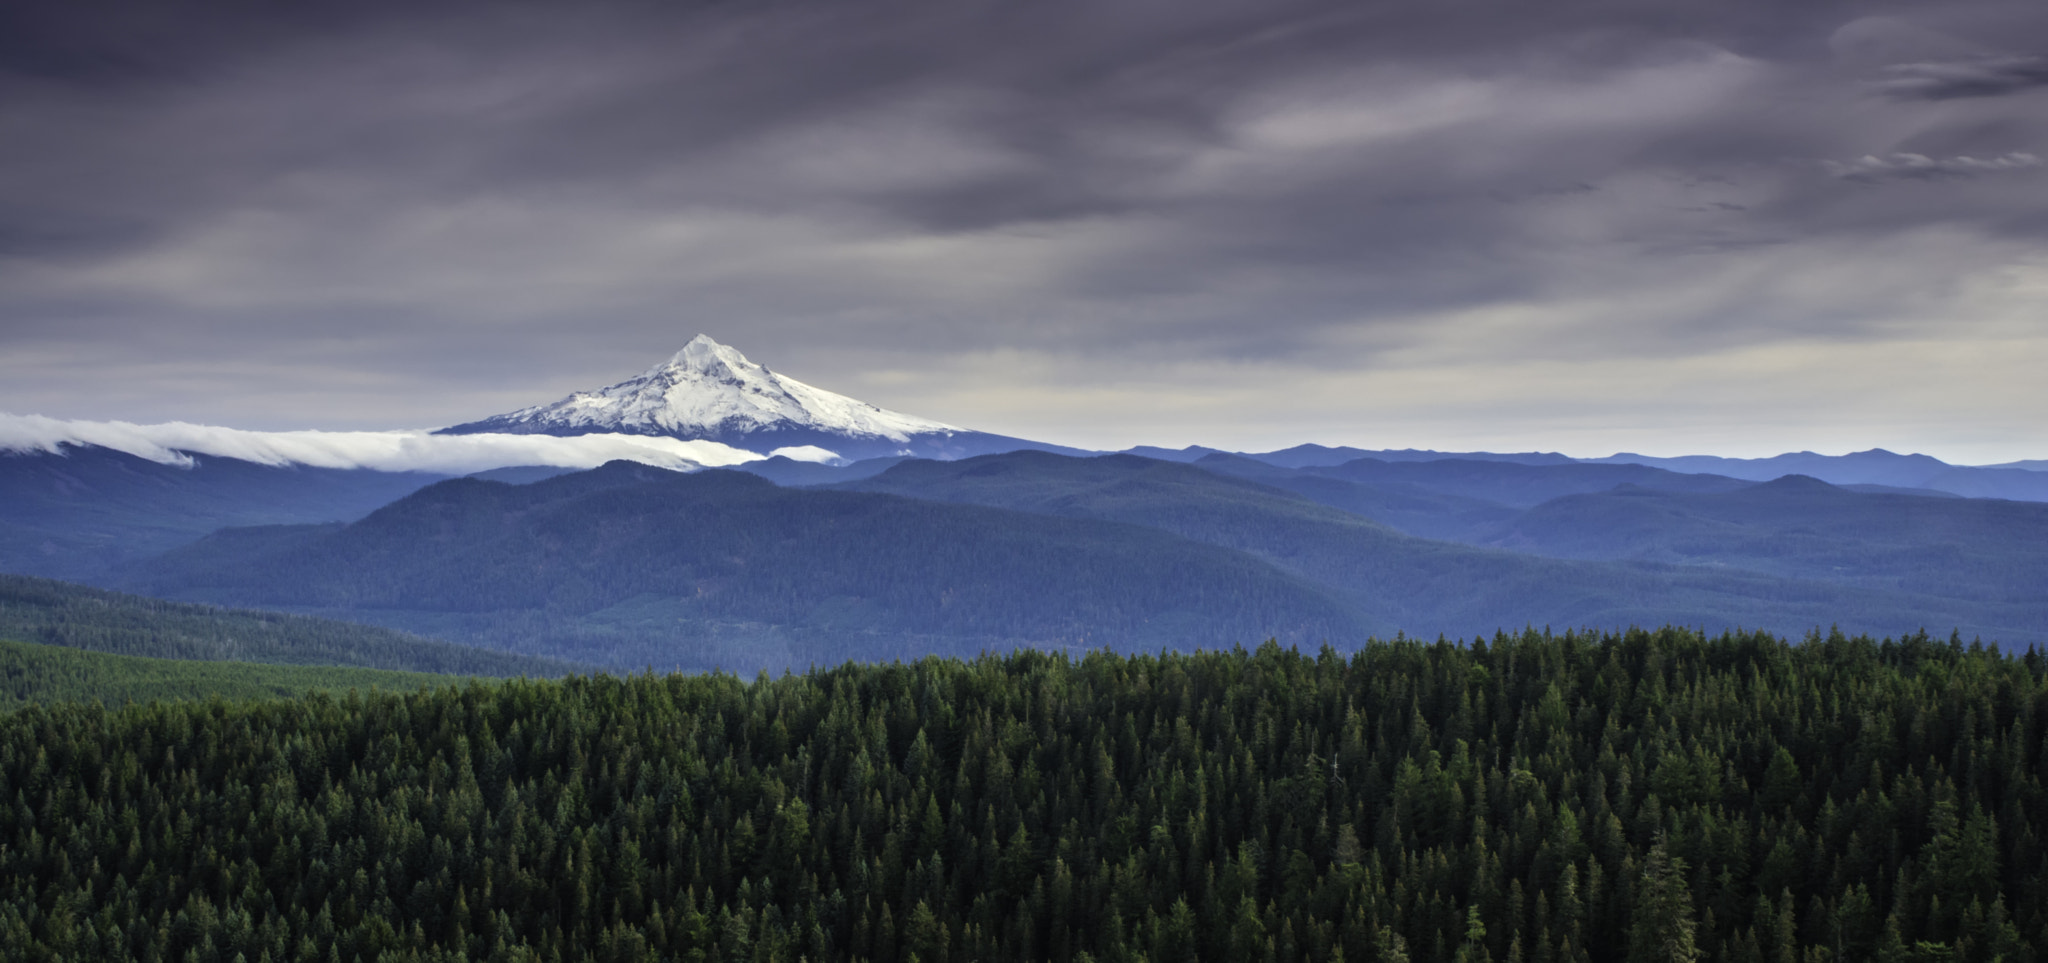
(422, 213)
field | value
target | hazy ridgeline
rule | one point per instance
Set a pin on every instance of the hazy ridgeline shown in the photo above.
(1540, 799)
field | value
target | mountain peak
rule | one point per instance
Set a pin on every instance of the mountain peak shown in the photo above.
(711, 391)
(1795, 483)
(704, 354)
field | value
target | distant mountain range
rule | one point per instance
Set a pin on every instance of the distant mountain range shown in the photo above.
(849, 530)
(1876, 468)
(1706, 551)
(1315, 456)
(631, 566)
(1873, 467)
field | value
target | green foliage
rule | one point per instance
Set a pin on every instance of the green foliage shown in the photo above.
(74, 616)
(1414, 802)
(48, 673)
(1662, 931)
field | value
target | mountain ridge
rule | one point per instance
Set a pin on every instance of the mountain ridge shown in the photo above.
(2016, 481)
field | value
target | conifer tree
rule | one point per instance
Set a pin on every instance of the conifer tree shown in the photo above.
(1663, 927)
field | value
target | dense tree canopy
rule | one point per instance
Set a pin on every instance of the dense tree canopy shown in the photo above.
(1535, 799)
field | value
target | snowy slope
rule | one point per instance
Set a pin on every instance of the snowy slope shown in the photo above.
(705, 390)
(711, 392)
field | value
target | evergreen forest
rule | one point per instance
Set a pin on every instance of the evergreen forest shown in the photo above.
(51, 673)
(1543, 798)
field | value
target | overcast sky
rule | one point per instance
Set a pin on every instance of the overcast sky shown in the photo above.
(1669, 226)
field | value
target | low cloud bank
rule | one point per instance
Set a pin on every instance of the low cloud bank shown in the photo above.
(174, 444)
(810, 453)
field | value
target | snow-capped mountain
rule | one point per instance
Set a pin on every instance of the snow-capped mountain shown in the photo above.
(711, 392)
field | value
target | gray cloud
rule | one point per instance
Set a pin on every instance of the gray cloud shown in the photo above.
(1987, 77)
(372, 215)
(1870, 167)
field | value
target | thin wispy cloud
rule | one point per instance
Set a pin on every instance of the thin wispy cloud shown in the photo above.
(1870, 167)
(1950, 80)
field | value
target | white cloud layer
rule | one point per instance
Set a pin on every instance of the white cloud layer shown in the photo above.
(174, 444)
(810, 453)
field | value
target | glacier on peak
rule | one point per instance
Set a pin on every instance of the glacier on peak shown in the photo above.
(709, 390)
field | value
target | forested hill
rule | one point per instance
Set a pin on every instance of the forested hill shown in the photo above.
(638, 566)
(74, 616)
(1656, 796)
(51, 673)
